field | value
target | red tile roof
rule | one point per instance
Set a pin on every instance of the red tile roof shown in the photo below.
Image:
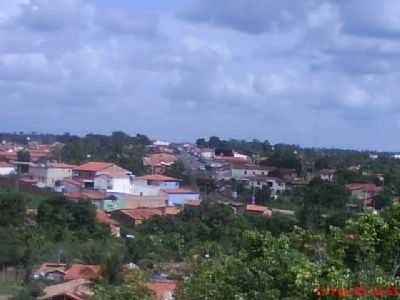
(93, 195)
(140, 214)
(159, 159)
(179, 191)
(157, 177)
(364, 187)
(61, 166)
(79, 271)
(258, 209)
(93, 166)
(171, 211)
(163, 289)
(73, 181)
(193, 203)
(74, 289)
(103, 218)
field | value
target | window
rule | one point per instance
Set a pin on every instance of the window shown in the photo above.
(262, 173)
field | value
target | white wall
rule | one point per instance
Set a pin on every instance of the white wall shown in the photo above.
(238, 173)
(7, 171)
(113, 184)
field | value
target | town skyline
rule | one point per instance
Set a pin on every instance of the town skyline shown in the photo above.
(317, 70)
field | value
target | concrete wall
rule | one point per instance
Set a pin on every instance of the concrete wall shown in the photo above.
(49, 176)
(180, 199)
(238, 173)
(7, 171)
(113, 184)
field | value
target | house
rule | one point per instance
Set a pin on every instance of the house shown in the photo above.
(132, 217)
(244, 170)
(6, 169)
(80, 271)
(239, 155)
(163, 289)
(72, 185)
(51, 174)
(276, 185)
(364, 192)
(327, 175)
(128, 201)
(62, 272)
(151, 185)
(180, 196)
(258, 210)
(158, 163)
(193, 203)
(232, 160)
(72, 290)
(207, 153)
(104, 219)
(87, 172)
(51, 272)
(114, 182)
(102, 201)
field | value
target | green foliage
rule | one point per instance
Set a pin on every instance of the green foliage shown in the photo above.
(29, 292)
(321, 199)
(23, 156)
(285, 157)
(242, 146)
(177, 170)
(12, 209)
(132, 288)
(120, 148)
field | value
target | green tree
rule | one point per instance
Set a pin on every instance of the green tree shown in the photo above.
(132, 288)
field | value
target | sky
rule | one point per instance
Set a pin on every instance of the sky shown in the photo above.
(317, 73)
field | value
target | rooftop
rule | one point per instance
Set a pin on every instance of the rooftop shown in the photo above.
(157, 177)
(93, 166)
(164, 289)
(140, 214)
(179, 191)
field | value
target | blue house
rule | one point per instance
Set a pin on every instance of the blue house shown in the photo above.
(180, 196)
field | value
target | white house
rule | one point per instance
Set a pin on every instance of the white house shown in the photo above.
(239, 155)
(151, 185)
(327, 175)
(6, 169)
(114, 182)
(49, 175)
(242, 171)
(276, 185)
(207, 153)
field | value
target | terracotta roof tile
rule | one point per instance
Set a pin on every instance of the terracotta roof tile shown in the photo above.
(193, 203)
(164, 289)
(79, 271)
(140, 214)
(103, 218)
(157, 177)
(93, 166)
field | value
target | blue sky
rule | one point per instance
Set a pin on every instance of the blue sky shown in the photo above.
(311, 72)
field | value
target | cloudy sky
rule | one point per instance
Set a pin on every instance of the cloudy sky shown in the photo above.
(310, 72)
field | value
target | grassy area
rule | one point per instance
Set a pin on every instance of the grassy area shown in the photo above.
(8, 287)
